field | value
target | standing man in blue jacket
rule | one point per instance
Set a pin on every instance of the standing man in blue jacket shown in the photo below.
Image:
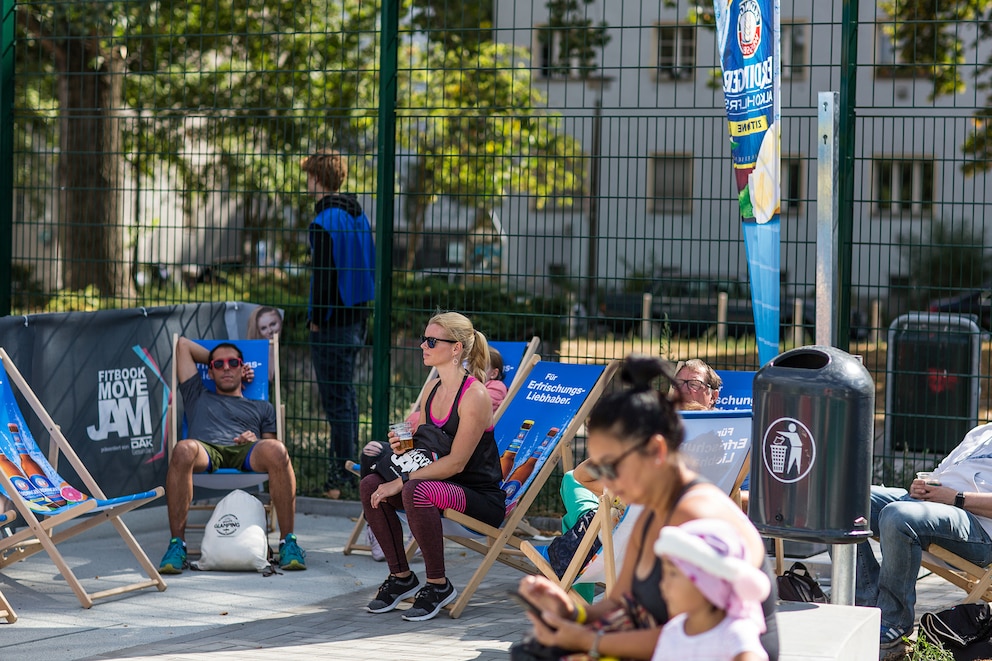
(341, 286)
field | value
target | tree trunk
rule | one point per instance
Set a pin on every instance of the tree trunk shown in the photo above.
(415, 208)
(93, 240)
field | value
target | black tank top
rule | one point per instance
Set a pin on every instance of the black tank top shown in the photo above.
(647, 591)
(482, 472)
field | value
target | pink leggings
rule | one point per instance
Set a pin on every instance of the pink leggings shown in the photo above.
(423, 501)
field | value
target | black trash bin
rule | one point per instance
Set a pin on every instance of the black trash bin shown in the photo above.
(811, 460)
(932, 381)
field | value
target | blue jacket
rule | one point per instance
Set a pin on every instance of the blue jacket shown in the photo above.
(343, 262)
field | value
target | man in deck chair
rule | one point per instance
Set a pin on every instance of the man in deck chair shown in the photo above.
(952, 508)
(226, 430)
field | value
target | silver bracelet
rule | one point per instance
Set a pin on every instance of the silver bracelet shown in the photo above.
(594, 650)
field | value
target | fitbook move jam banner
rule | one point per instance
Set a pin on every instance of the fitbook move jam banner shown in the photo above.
(750, 57)
(102, 376)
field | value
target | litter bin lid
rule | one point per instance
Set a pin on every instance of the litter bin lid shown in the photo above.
(821, 367)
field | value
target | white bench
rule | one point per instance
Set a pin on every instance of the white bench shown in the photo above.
(807, 632)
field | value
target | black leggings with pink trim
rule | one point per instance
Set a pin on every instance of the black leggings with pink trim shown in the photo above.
(423, 501)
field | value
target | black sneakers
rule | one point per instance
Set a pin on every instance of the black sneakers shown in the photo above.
(392, 591)
(430, 600)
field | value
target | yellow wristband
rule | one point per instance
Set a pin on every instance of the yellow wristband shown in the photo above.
(580, 613)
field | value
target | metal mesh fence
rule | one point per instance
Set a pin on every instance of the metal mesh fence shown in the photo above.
(552, 165)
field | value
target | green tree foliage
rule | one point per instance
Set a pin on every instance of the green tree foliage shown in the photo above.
(929, 38)
(230, 94)
(69, 43)
(579, 40)
(455, 23)
(475, 128)
(235, 92)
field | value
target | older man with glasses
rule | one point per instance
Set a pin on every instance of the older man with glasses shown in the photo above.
(225, 430)
(698, 382)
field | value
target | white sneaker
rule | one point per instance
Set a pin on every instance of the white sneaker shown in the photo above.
(377, 553)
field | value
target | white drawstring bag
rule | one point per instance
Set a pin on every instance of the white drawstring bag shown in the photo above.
(235, 539)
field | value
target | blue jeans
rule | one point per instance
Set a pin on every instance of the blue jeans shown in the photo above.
(905, 528)
(334, 350)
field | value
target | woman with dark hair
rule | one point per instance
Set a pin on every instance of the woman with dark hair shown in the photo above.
(633, 446)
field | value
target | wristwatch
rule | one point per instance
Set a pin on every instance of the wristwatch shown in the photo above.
(594, 650)
(959, 500)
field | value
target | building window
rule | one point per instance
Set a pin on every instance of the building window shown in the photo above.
(548, 49)
(903, 186)
(794, 54)
(676, 51)
(895, 56)
(792, 185)
(670, 184)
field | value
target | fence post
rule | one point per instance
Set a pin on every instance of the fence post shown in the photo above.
(8, 20)
(646, 329)
(384, 217)
(798, 333)
(722, 300)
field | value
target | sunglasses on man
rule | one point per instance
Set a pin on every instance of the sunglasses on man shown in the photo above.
(219, 363)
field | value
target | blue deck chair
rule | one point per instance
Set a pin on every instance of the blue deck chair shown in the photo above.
(533, 434)
(49, 505)
(514, 355)
(258, 354)
(718, 446)
(737, 391)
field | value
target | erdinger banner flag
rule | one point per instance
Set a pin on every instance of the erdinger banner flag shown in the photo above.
(747, 37)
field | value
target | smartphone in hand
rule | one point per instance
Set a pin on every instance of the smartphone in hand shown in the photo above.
(527, 604)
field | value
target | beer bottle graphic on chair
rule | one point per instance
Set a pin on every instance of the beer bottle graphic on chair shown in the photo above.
(510, 455)
(34, 472)
(517, 478)
(27, 490)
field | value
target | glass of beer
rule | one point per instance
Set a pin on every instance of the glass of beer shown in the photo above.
(404, 433)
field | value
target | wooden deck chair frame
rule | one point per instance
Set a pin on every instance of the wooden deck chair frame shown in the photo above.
(596, 528)
(523, 370)
(503, 544)
(976, 581)
(6, 610)
(229, 479)
(45, 534)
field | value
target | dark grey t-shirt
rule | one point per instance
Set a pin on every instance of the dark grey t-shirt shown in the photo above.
(217, 419)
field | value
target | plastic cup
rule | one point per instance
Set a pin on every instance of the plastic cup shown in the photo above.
(928, 478)
(404, 433)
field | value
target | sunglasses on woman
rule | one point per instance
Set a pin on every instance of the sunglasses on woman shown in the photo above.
(432, 341)
(608, 471)
(219, 363)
